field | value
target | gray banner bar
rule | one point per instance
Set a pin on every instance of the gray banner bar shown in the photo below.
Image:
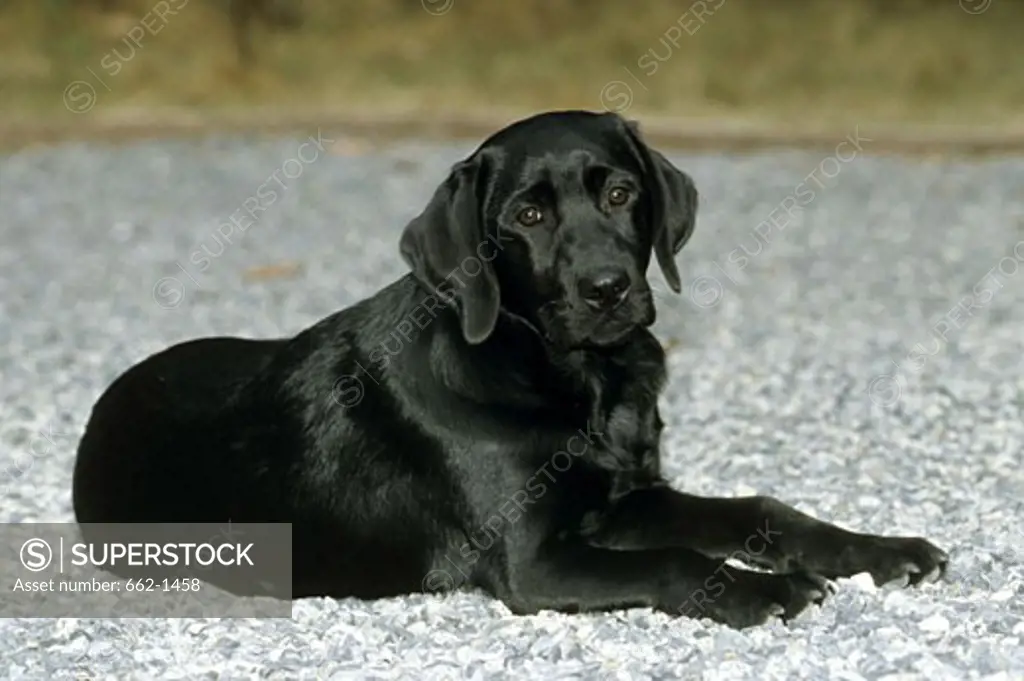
(168, 570)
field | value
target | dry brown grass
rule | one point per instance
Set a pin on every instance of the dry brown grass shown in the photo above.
(765, 60)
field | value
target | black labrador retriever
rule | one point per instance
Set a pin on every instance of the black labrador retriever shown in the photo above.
(489, 420)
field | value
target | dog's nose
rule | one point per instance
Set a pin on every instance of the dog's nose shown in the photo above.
(605, 290)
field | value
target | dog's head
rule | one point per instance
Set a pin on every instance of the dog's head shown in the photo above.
(553, 220)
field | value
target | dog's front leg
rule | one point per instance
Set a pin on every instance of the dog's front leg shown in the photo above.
(572, 576)
(763, 531)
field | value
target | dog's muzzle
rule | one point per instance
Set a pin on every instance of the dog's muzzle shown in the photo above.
(604, 290)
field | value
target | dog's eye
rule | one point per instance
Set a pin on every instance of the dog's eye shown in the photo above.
(618, 196)
(528, 217)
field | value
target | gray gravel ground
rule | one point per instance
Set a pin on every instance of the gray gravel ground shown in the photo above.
(789, 376)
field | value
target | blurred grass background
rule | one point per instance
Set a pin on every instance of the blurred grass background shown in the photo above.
(899, 61)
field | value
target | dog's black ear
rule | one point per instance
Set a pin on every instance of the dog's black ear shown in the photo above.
(675, 202)
(447, 250)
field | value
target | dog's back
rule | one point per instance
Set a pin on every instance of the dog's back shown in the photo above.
(151, 431)
(221, 429)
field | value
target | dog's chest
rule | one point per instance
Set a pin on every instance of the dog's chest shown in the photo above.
(623, 393)
(631, 446)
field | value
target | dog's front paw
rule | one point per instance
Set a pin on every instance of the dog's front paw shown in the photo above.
(907, 560)
(741, 599)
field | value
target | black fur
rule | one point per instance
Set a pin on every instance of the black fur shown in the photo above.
(488, 429)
